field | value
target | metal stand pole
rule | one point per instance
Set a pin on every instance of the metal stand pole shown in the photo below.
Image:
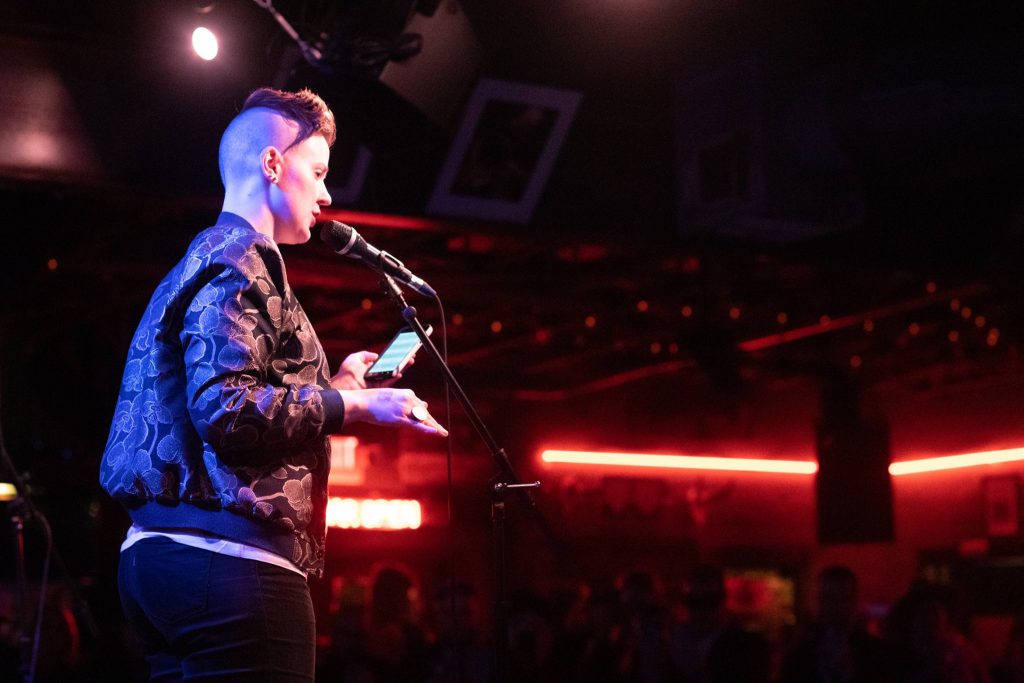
(501, 603)
(504, 481)
(23, 609)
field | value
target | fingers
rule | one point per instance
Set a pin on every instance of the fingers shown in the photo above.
(400, 408)
(423, 421)
(359, 359)
(352, 373)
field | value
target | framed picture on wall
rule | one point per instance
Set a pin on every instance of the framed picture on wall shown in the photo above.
(348, 173)
(1001, 501)
(503, 152)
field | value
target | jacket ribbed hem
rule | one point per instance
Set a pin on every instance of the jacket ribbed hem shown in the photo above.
(230, 525)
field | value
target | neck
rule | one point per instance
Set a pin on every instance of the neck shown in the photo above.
(250, 203)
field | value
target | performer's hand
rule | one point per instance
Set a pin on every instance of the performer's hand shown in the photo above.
(352, 373)
(390, 407)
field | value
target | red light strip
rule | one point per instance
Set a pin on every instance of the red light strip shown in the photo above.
(680, 462)
(373, 513)
(950, 462)
(798, 333)
(382, 220)
(727, 464)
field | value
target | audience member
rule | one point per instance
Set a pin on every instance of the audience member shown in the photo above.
(711, 646)
(837, 648)
(397, 647)
(932, 649)
(460, 651)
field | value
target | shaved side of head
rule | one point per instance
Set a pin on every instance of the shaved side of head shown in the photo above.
(246, 136)
(271, 118)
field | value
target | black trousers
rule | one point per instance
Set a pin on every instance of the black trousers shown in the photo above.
(206, 616)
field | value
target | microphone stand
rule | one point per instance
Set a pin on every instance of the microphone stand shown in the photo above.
(503, 482)
(21, 509)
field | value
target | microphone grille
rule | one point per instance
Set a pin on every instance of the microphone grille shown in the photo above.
(338, 236)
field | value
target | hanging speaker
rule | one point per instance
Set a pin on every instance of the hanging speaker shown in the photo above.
(438, 78)
(854, 489)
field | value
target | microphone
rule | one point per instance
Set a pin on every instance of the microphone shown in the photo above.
(346, 241)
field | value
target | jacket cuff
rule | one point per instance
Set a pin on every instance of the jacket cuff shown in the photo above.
(334, 411)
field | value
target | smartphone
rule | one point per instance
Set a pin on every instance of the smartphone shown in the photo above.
(396, 355)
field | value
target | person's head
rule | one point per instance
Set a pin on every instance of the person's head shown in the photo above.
(636, 590)
(456, 610)
(837, 595)
(391, 598)
(274, 158)
(705, 595)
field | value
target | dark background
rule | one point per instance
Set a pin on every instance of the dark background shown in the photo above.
(838, 163)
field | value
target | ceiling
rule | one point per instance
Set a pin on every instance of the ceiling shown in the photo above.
(615, 299)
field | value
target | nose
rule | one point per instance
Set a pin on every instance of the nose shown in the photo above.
(323, 197)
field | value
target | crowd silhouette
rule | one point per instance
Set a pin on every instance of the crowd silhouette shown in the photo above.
(637, 630)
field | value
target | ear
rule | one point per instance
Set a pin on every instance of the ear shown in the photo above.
(270, 163)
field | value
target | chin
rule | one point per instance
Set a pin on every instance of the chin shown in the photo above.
(296, 236)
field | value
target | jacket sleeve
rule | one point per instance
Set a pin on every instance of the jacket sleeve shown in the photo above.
(235, 362)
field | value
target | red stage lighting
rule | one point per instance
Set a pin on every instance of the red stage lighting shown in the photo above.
(679, 462)
(950, 462)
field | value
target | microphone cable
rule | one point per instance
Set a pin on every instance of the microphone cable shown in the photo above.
(456, 645)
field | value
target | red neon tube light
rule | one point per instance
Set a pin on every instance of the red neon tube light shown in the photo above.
(950, 462)
(373, 513)
(680, 462)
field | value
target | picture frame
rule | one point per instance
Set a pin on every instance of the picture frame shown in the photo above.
(350, 169)
(504, 151)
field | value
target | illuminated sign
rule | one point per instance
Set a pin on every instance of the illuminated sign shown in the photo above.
(348, 462)
(373, 513)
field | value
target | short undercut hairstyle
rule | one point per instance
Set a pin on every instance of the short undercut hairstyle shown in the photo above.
(303, 107)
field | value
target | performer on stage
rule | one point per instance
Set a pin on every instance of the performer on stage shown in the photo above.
(219, 445)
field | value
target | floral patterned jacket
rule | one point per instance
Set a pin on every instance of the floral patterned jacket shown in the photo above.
(225, 406)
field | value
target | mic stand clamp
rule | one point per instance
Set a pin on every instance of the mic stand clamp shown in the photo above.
(504, 481)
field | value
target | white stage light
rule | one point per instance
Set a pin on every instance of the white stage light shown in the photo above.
(204, 43)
